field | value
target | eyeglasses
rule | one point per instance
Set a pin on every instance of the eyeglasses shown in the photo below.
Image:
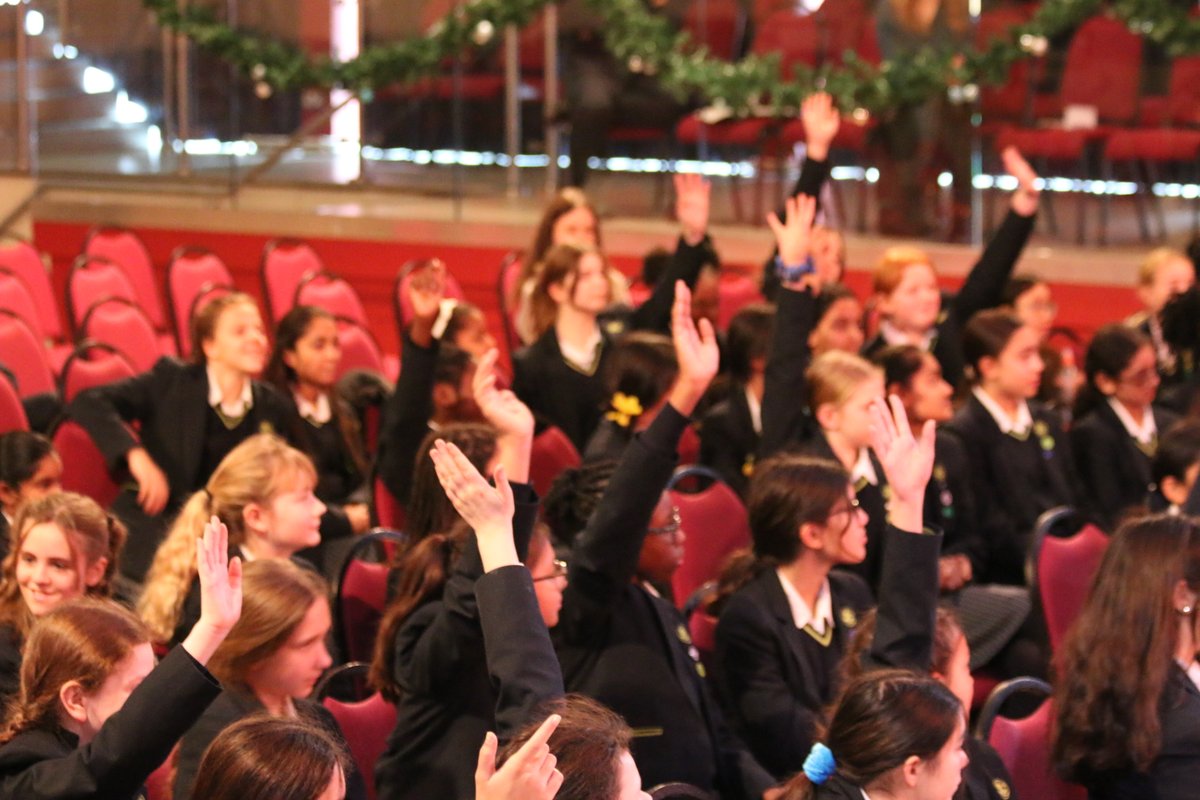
(671, 528)
(1143, 377)
(560, 571)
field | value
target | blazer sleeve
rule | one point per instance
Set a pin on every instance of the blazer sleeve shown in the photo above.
(984, 286)
(131, 744)
(1096, 453)
(784, 416)
(720, 450)
(776, 724)
(520, 658)
(219, 716)
(104, 411)
(406, 418)
(604, 558)
(908, 595)
(966, 540)
(686, 263)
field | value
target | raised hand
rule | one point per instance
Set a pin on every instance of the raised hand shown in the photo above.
(792, 236)
(220, 591)
(1025, 198)
(153, 488)
(487, 509)
(425, 293)
(691, 205)
(696, 352)
(821, 122)
(907, 461)
(530, 774)
(500, 407)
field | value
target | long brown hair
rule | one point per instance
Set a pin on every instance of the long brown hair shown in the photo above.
(947, 633)
(1113, 667)
(429, 510)
(91, 534)
(83, 641)
(566, 201)
(263, 757)
(560, 266)
(277, 595)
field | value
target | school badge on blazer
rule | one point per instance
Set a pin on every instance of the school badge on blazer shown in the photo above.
(1002, 789)
(849, 618)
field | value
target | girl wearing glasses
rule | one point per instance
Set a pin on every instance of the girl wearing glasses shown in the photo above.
(790, 614)
(1116, 431)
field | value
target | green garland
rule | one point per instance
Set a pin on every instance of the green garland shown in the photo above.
(647, 43)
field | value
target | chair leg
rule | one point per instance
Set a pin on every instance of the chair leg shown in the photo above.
(1081, 202)
(1048, 199)
(1151, 172)
(1140, 187)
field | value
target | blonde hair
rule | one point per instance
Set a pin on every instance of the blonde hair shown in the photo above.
(834, 376)
(253, 472)
(277, 595)
(895, 260)
(91, 535)
(203, 325)
(83, 640)
(1154, 260)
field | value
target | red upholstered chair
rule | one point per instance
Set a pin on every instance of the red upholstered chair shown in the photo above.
(388, 510)
(17, 296)
(123, 325)
(24, 355)
(361, 593)
(1024, 744)
(715, 523)
(84, 468)
(91, 279)
(334, 294)
(1063, 569)
(506, 288)
(124, 248)
(158, 785)
(92, 364)
(361, 351)
(12, 413)
(552, 453)
(400, 302)
(735, 291)
(285, 263)
(366, 725)
(191, 273)
(23, 260)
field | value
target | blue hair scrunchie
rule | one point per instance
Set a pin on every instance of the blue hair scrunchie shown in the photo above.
(820, 764)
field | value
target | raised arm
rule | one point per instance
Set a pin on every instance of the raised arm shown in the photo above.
(908, 587)
(691, 253)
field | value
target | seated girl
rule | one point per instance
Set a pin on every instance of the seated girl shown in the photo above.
(95, 715)
(910, 301)
(271, 659)
(1175, 467)
(787, 623)
(1018, 459)
(1126, 722)
(1117, 427)
(263, 491)
(636, 377)
(29, 469)
(892, 734)
(189, 416)
(65, 547)
(1164, 273)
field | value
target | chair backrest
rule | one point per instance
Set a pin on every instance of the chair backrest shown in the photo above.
(25, 261)
(1103, 69)
(84, 468)
(124, 248)
(92, 364)
(285, 262)
(123, 325)
(401, 305)
(735, 291)
(715, 523)
(796, 38)
(190, 272)
(1024, 744)
(25, 355)
(94, 278)
(361, 593)
(12, 413)
(719, 25)
(335, 295)
(1183, 93)
(552, 453)
(388, 509)
(16, 298)
(366, 725)
(1065, 568)
(506, 287)
(1010, 100)
(359, 348)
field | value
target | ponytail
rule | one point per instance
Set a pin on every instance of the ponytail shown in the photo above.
(174, 568)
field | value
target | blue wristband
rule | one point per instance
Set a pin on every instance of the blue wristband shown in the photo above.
(789, 273)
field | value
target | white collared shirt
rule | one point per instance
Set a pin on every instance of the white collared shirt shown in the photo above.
(864, 469)
(235, 409)
(802, 615)
(318, 413)
(582, 358)
(755, 407)
(1020, 426)
(1143, 433)
(894, 336)
(1192, 670)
